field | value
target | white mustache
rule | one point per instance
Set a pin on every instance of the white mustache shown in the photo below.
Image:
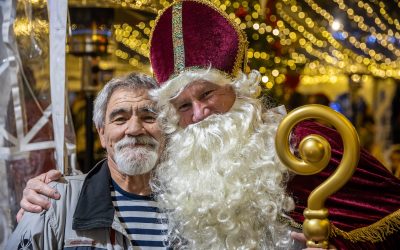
(142, 140)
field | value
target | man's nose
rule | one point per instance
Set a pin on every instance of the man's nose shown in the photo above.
(200, 111)
(134, 127)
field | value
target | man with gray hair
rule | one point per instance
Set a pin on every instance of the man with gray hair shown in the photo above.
(221, 183)
(111, 207)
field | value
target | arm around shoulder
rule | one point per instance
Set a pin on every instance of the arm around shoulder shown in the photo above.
(40, 230)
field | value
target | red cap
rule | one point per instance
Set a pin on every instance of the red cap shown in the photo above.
(195, 34)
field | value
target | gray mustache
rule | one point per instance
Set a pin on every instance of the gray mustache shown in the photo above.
(138, 140)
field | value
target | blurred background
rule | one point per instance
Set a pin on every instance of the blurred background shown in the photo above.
(341, 53)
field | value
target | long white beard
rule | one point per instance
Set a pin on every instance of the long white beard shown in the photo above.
(221, 183)
(132, 159)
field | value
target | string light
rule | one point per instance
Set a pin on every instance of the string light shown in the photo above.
(382, 38)
(351, 39)
(302, 41)
(371, 63)
(389, 19)
(336, 25)
(370, 11)
(132, 38)
(319, 43)
(147, 5)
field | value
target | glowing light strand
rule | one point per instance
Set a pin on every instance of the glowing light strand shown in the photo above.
(383, 39)
(351, 39)
(376, 69)
(393, 21)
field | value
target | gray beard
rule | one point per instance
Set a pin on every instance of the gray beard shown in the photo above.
(131, 160)
(221, 184)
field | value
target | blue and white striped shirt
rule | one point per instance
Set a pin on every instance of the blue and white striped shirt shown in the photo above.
(144, 223)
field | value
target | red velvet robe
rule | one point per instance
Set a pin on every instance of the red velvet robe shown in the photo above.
(372, 193)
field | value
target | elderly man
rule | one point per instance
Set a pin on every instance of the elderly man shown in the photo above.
(221, 184)
(111, 207)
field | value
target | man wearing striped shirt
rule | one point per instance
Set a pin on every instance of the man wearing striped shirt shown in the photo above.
(111, 207)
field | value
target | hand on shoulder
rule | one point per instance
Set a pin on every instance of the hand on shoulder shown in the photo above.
(35, 193)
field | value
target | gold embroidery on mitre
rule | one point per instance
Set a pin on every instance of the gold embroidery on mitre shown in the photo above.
(177, 38)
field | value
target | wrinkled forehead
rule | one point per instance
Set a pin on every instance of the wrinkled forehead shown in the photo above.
(185, 81)
(138, 97)
(196, 86)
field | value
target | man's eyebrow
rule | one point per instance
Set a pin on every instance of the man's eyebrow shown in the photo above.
(178, 101)
(116, 112)
(149, 109)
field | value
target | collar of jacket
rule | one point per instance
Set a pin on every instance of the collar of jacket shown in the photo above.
(94, 208)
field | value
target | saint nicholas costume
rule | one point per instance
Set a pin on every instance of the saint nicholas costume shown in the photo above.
(365, 213)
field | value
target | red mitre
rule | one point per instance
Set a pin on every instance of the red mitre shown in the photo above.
(195, 34)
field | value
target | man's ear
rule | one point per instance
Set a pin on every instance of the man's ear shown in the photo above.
(100, 131)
